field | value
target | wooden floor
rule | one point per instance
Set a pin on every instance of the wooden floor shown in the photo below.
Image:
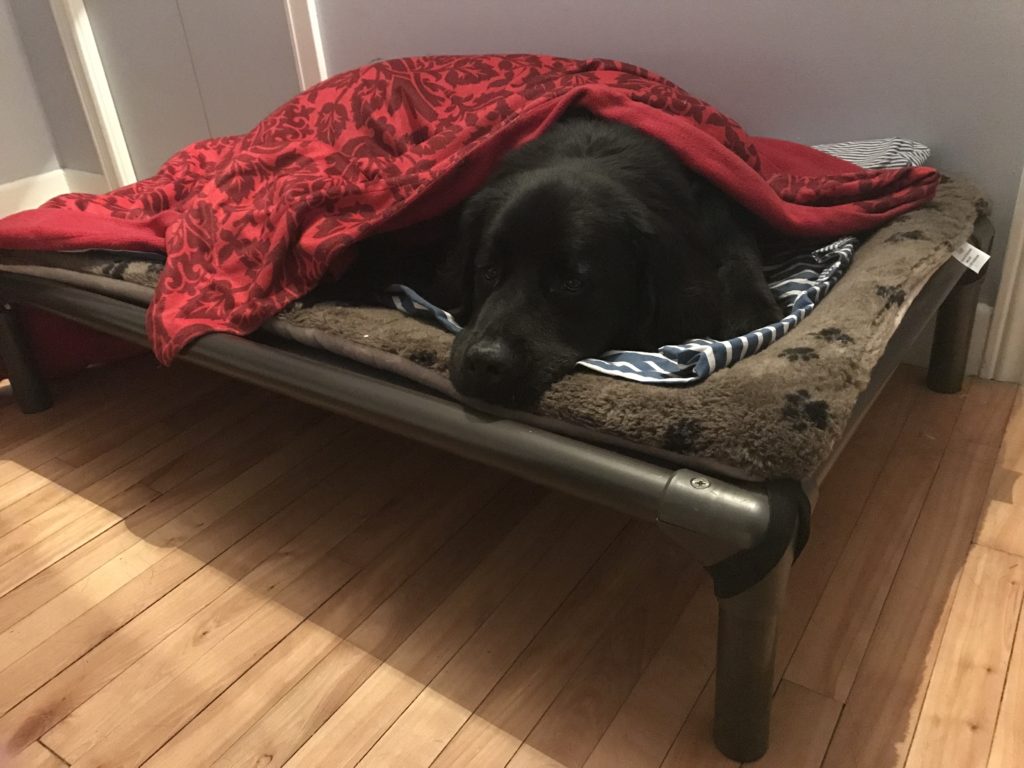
(194, 573)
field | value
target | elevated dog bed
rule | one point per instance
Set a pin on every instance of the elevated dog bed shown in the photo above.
(778, 414)
(728, 468)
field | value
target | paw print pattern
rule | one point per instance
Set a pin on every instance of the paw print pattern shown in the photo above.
(684, 435)
(910, 234)
(894, 295)
(424, 357)
(799, 354)
(833, 335)
(803, 412)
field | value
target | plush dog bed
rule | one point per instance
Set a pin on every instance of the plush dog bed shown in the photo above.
(777, 414)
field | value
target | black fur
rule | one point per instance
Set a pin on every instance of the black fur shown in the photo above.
(592, 237)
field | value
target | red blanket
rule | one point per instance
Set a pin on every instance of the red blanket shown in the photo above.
(249, 223)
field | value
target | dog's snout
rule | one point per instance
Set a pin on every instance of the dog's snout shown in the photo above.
(489, 361)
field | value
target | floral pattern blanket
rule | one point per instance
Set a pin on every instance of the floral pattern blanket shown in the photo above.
(250, 223)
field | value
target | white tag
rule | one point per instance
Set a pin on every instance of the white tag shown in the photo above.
(972, 258)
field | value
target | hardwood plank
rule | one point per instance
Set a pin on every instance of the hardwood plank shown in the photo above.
(371, 587)
(831, 648)
(256, 411)
(35, 755)
(124, 410)
(154, 524)
(45, 510)
(1008, 743)
(360, 712)
(219, 725)
(1011, 451)
(886, 697)
(237, 629)
(693, 747)
(175, 412)
(235, 541)
(15, 427)
(135, 454)
(37, 557)
(529, 757)
(643, 730)
(932, 418)
(486, 723)
(843, 498)
(985, 413)
(1002, 524)
(209, 409)
(494, 640)
(30, 481)
(570, 728)
(77, 400)
(49, 536)
(113, 573)
(958, 717)
(802, 724)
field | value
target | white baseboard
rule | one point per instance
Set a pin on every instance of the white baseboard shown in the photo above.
(921, 349)
(82, 181)
(33, 191)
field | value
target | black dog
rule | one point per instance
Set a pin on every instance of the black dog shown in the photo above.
(592, 237)
(596, 237)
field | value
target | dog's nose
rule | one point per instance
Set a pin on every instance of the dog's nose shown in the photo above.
(489, 362)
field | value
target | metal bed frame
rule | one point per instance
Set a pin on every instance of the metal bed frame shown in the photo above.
(745, 534)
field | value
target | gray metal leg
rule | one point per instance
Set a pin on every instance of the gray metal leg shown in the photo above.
(954, 324)
(745, 676)
(750, 583)
(30, 391)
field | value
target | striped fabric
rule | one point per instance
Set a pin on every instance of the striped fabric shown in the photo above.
(799, 284)
(879, 153)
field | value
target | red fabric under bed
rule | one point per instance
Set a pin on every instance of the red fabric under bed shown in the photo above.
(249, 223)
(62, 348)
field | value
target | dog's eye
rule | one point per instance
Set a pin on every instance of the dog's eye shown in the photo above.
(489, 274)
(572, 285)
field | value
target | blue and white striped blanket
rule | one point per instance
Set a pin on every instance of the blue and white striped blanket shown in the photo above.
(799, 284)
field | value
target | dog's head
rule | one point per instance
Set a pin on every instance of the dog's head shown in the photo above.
(559, 267)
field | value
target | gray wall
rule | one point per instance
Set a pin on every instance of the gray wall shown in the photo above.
(950, 74)
(183, 70)
(52, 75)
(28, 149)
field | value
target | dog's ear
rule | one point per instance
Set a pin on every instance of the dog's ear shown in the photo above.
(477, 213)
(649, 252)
(679, 296)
